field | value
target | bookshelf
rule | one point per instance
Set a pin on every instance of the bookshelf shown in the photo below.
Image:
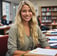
(49, 16)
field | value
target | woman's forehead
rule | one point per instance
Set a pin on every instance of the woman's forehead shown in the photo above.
(25, 6)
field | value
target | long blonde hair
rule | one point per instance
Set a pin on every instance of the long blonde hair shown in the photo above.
(33, 24)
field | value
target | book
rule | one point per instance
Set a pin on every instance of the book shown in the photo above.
(42, 51)
(51, 37)
(52, 41)
(53, 44)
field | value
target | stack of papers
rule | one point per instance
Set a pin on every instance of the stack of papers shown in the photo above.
(42, 51)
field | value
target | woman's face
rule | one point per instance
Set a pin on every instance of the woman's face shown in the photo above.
(26, 13)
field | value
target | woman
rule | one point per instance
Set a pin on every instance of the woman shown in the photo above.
(25, 34)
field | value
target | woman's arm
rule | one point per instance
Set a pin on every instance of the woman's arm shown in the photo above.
(48, 47)
(12, 40)
(19, 53)
(42, 39)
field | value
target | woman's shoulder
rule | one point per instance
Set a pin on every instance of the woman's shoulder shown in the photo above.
(13, 26)
(38, 29)
(37, 26)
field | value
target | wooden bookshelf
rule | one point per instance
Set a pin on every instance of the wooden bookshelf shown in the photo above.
(49, 16)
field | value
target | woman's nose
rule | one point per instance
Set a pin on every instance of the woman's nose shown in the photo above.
(27, 13)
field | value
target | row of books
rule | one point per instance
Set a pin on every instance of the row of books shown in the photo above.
(46, 21)
(48, 18)
(49, 9)
(49, 14)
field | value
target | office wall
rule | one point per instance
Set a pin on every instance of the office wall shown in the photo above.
(47, 2)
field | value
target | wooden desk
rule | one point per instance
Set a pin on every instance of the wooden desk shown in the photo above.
(3, 29)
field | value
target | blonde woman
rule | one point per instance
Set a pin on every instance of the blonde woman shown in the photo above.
(25, 34)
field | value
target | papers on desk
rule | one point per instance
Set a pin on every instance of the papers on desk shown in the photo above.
(3, 26)
(49, 52)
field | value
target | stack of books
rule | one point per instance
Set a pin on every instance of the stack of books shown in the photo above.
(52, 38)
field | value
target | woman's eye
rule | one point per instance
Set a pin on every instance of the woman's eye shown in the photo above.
(24, 10)
(30, 11)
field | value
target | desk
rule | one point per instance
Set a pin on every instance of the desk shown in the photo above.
(1, 36)
(3, 29)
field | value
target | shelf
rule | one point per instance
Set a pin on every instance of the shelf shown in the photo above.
(46, 15)
(54, 19)
(46, 11)
(54, 24)
(49, 15)
(46, 24)
(54, 11)
(47, 21)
